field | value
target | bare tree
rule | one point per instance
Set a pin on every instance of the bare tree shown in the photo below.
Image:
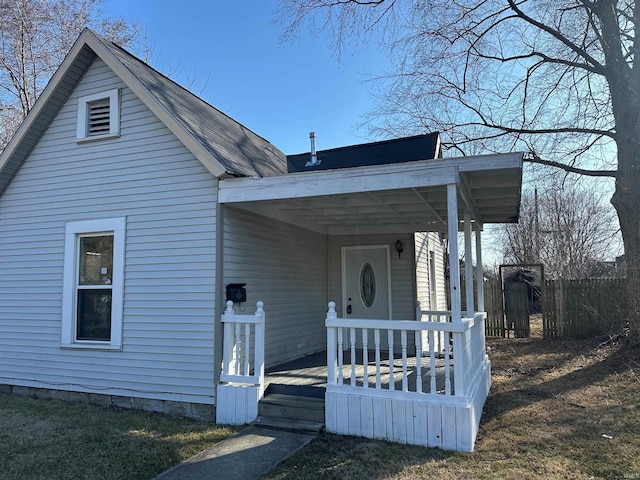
(556, 78)
(570, 231)
(35, 36)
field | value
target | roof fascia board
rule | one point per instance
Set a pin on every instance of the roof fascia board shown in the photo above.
(201, 153)
(42, 101)
(500, 161)
(336, 182)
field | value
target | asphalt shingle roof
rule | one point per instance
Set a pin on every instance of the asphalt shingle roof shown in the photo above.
(232, 147)
(407, 149)
(238, 149)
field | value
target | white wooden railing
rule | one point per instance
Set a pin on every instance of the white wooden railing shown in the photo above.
(243, 347)
(398, 371)
(435, 315)
(469, 348)
(440, 340)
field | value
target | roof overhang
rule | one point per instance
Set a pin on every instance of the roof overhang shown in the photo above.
(392, 198)
(87, 47)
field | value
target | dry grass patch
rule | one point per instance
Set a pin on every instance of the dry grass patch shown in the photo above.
(550, 404)
(49, 439)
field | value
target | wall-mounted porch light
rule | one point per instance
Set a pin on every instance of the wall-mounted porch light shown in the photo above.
(399, 247)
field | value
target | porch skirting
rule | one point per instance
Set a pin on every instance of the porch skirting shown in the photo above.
(237, 404)
(449, 422)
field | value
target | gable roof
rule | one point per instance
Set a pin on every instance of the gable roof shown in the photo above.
(399, 150)
(224, 146)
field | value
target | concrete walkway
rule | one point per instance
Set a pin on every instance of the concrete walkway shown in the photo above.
(246, 455)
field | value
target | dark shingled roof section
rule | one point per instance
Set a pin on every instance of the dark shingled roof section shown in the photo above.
(238, 149)
(408, 149)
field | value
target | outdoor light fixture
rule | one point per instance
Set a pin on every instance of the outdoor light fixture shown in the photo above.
(399, 247)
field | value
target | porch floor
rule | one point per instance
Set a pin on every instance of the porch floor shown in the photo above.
(311, 371)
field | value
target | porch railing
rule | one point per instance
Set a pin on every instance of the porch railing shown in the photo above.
(440, 340)
(243, 347)
(356, 359)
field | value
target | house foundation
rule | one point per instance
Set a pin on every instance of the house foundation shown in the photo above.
(196, 411)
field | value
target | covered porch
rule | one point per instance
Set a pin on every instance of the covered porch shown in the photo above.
(420, 378)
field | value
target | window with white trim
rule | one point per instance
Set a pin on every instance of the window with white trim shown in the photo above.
(93, 284)
(99, 116)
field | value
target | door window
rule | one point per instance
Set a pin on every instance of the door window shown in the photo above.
(367, 285)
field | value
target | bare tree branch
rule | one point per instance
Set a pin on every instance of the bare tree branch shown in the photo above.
(533, 158)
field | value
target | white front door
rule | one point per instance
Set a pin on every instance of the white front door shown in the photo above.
(366, 283)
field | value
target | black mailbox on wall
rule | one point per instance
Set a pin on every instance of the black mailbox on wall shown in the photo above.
(236, 292)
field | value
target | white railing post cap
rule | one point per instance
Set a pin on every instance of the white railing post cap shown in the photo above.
(332, 306)
(259, 306)
(229, 307)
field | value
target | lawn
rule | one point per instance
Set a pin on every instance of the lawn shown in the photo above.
(557, 409)
(50, 439)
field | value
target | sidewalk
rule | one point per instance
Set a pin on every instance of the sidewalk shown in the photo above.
(246, 455)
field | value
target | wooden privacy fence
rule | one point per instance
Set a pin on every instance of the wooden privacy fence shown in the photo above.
(494, 326)
(508, 311)
(570, 308)
(583, 308)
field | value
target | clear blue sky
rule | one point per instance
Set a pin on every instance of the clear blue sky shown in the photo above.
(281, 91)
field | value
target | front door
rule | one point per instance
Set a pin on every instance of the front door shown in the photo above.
(366, 286)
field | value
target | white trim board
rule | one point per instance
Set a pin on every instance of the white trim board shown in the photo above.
(423, 173)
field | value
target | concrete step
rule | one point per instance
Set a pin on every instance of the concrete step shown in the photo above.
(289, 424)
(282, 406)
(300, 390)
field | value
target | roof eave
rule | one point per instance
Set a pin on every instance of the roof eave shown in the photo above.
(39, 107)
(88, 39)
(199, 151)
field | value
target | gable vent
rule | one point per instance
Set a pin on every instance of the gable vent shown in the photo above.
(98, 121)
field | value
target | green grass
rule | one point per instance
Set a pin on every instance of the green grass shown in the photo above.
(550, 404)
(49, 439)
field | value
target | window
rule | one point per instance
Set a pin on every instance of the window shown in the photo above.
(367, 285)
(93, 281)
(99, 116)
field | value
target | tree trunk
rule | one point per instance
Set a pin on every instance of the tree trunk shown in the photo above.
(626, 201)
(624, 86)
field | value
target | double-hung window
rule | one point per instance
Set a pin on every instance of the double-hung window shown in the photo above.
(93, 284)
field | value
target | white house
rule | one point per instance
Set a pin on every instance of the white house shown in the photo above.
(128, 205)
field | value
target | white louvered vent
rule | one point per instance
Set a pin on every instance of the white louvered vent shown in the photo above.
(99, 117)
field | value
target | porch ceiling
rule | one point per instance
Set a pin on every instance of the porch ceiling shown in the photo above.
(393, 198)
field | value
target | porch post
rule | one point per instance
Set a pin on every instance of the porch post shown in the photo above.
(468, 264)
(479, 272)
(454, 258)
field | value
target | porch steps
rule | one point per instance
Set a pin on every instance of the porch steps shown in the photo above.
(292, 408)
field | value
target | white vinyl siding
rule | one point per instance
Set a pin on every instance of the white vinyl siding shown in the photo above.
(402, 271)
(169, 200)
(427, 243)
(285, 267)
